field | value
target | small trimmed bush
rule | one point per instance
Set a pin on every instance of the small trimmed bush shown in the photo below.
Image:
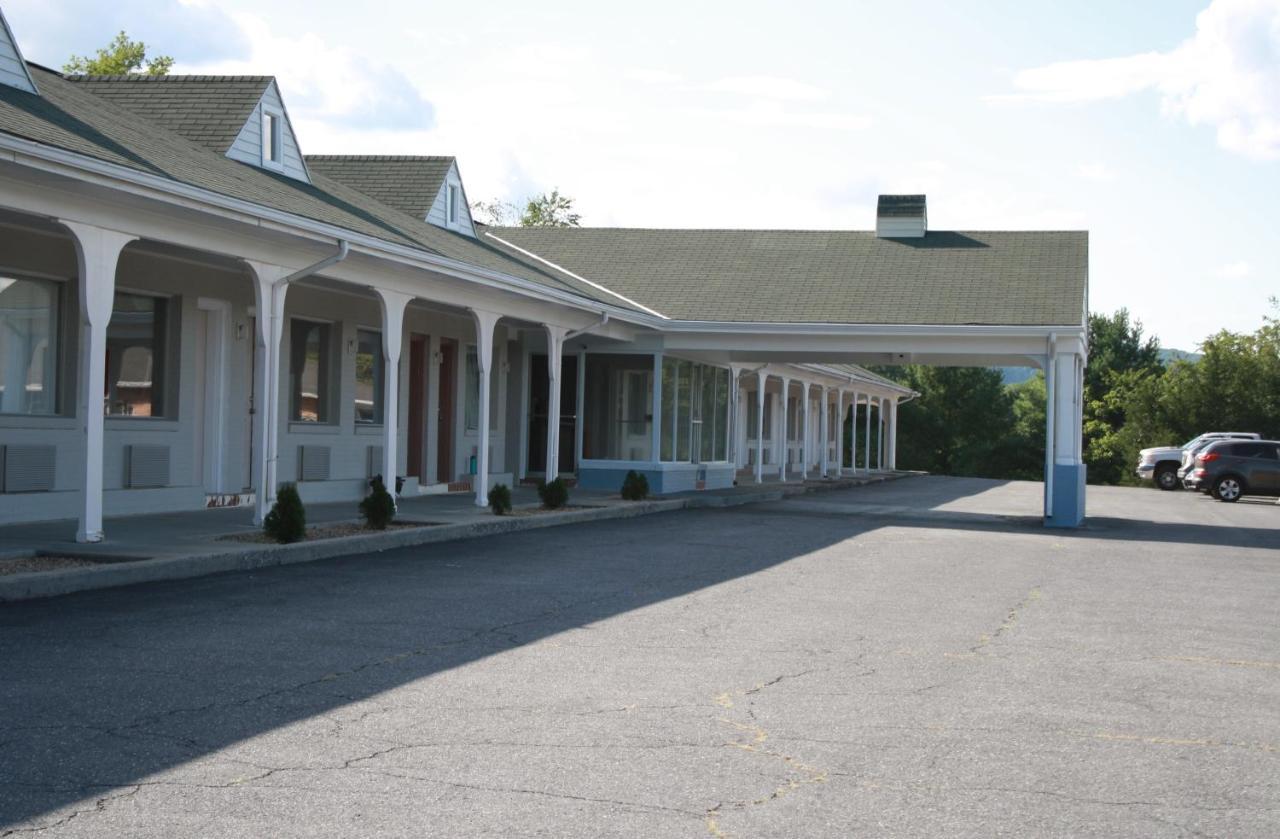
(378, 507)
(554, 495)
(287, 521)
(635, 487)
(500, 499)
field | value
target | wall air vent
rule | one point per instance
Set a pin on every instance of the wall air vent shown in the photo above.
(146, 467)
(313, 463)
(26, 468)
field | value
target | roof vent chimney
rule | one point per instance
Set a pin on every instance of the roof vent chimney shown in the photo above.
(901, 217)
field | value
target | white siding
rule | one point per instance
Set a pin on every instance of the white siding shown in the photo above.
(13, 70)
(900, 227)
(247, 147)
(439, 213)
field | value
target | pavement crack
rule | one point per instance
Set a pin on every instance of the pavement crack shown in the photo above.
(1009, 623)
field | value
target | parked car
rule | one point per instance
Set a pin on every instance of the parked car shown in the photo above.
(1161, 464)
(1189, 461)
(1229, 469)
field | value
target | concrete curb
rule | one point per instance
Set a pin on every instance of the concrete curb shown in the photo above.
(40, 584)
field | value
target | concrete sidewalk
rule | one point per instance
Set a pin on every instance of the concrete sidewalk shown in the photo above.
(171, 546)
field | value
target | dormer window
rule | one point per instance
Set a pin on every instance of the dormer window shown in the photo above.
(272, 153)
(453, 204)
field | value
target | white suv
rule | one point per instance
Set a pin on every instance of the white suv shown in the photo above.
(1162, 464)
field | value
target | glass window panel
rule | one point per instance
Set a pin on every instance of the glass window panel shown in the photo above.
(370, 378)
(706, 413)
(618, 407)
(684, 382)
(471, 411)
(28, 346)
(494, 379)
(668, 408)
(721, 423)
(309, 370)
(135, 356)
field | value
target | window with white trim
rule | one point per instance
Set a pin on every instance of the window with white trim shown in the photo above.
(451, 200)
(29, 330)
(136, 343)
(310, 370)
(272, 152)
(370, 380)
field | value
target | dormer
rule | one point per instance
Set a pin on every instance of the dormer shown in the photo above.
(427, 188)
(13, 67)
(243, 117)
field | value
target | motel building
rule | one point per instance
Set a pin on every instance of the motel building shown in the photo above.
(193, 312)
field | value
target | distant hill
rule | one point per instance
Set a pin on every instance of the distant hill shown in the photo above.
(1170, 356)
(1016, 375)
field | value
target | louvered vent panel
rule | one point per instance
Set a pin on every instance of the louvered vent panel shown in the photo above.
(146, 467)
(313, 463)
(27, 468)
(375, 461)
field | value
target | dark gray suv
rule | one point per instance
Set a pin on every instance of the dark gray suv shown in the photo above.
(1231, 468)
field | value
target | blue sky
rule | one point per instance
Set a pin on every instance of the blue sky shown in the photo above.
(1154, 125)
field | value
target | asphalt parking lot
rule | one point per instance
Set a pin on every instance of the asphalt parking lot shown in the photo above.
(913, 659)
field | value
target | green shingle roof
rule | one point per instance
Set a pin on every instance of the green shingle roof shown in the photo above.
(829, 276)
(68, 115)
(408, 183)
(209, 110)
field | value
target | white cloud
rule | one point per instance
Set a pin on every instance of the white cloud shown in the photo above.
(1227, 76)
(1237, 270)
(1099, 172)
(649, 76)
(325, 82)
(768, 87)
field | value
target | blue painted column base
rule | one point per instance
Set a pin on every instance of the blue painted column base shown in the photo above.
(1068, 496)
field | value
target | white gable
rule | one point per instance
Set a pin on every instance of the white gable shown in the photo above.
(439, 214)
(13, 68)
(249, 143)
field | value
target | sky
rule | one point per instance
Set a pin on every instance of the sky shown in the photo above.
(1153, 124)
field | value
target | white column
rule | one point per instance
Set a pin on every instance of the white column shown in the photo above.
(893, 434)
(866, 446)
(880, 421)
(555, 356)
(785, 414)
(805, 451)
(98, 252)
(731, 450)
(760, 380)
(824, 432)
(485, 322)
(580, 401)
(269, 296)
(853, 434)
(393, 304)
(839, 432)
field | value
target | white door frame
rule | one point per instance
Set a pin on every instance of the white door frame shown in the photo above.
(217, 325)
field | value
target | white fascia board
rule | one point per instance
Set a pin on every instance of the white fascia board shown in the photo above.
(113, 175)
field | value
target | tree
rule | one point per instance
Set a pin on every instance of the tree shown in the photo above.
(550, 209)
(121, 57)
(1120, 360)
(495, 213)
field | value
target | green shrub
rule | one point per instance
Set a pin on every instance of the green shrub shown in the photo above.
(635, 487)
(287, 521)
(378, 507)
(500, 499)
(554, 495)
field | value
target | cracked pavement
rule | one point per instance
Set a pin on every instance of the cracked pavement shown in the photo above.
(785, 669)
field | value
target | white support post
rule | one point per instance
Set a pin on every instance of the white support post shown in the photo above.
(840, 432)
(853, 434)
(731, 447)
(893, 434)
(269, 296)
(485, 323)
(866, 445)
(785, 412)
(393, 306)
(555, 356)
(760, 381)
(805, 451)
(824, 432)
(98, 253)
(880, 420)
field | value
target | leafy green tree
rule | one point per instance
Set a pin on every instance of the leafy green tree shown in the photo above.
(121, 57)
(550, 209)
(495, 213)
(1119, 360)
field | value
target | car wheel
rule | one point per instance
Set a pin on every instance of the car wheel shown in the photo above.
(1167, 478)
(1228, 488)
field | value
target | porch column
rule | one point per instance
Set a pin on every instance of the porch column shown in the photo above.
(555, 356)
(1064, 468)
(98, 252)
(840, 431)
(853, 434)
(393, 306)
(760, 380)
(805, 453)
(893, 435)
(880, 420)
(485, 322)
(824, 432)
(866, 446)
(731, 450)
(269, 296)
(784, 402)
